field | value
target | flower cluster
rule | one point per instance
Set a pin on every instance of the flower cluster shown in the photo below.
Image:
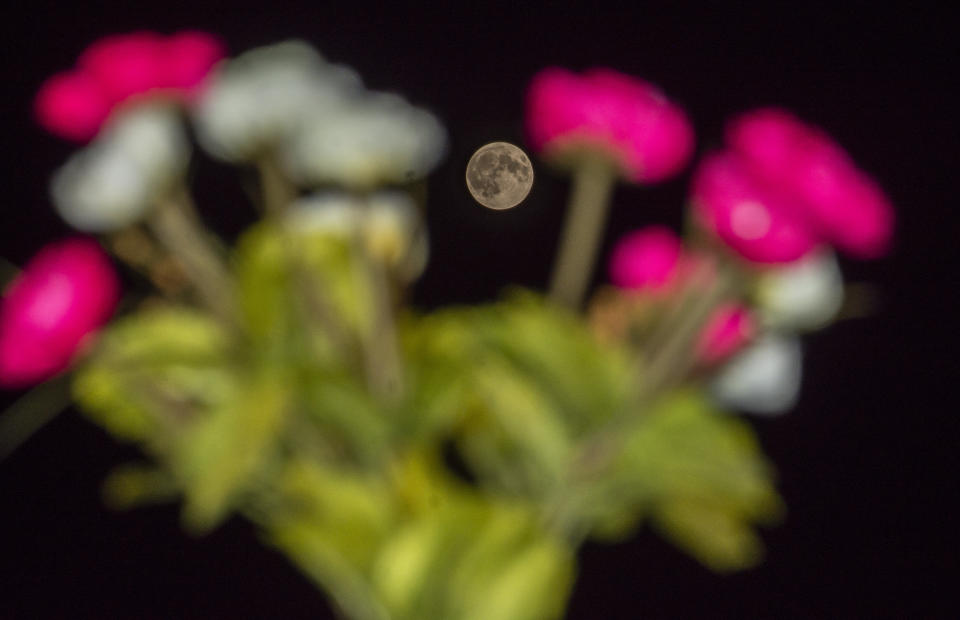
(286, 101)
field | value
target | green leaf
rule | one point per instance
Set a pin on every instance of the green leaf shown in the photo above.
(535, 380)
(294, 289)
(473, 557)
(332, 522)
(153, 371)
(701, 476)
(220, 453)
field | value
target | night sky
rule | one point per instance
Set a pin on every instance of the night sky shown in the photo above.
(867, 461)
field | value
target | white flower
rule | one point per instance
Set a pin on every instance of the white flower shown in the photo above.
(381, 139)
(112, 182)
(804, 295)
(262, 96)
(764, 378)
(389, 221)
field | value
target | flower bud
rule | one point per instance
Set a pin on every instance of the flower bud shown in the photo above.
(725, 332)
(646, 259)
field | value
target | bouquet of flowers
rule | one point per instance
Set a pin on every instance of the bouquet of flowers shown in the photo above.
(424, 465)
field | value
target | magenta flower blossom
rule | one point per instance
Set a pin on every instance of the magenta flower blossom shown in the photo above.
(646, 259)
(784, 187)
(76, 103)
(727, 330)
(838, 200)
(626, 118)
(64, 294)
(759, 221)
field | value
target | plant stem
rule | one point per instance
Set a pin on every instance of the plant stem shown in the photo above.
(667, 366)
(381, 354)
(8, 271)
(276, 191)
(31, 412)
(593, 180)
(176, 225)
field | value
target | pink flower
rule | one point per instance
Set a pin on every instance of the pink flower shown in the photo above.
(628, 119)
(64, 294)
(758, 221)
(646, 259)
(189, 56)
(125, 64)
(726, 331)
(837, 200)
(72, 105)
(76, 103)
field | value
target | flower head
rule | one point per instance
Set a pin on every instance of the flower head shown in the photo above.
(263, 96)
(380, 139)
(64, 294)
(838, 200)
(782, 188)
(760, 222)
(112, 182)
(113, 70)
(625, 118)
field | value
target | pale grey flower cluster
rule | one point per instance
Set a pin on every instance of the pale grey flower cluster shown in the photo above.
(116, 179)
(285, 101)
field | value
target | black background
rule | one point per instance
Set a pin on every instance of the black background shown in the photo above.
(867, 460)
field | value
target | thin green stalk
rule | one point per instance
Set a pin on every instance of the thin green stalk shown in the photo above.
(593, 180)
(31, 412)
(276, 191)
(666, 366)
(8, 271)
(381, 352)
(178, 228)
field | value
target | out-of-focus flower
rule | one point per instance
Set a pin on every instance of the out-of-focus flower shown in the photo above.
(646, 259)
(726, 331)
(625, 118)
(388, 220)
(76, 103)
(64, 294)
(113, 181)
(804, 295)
(838, 200)
(784, 187)
(265, 95)
(380, 139)
(763, 378)
(758, 221)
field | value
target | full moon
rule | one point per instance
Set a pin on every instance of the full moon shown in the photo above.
(499, 175)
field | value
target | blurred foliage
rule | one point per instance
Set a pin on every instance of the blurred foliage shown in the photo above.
(276, 419)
